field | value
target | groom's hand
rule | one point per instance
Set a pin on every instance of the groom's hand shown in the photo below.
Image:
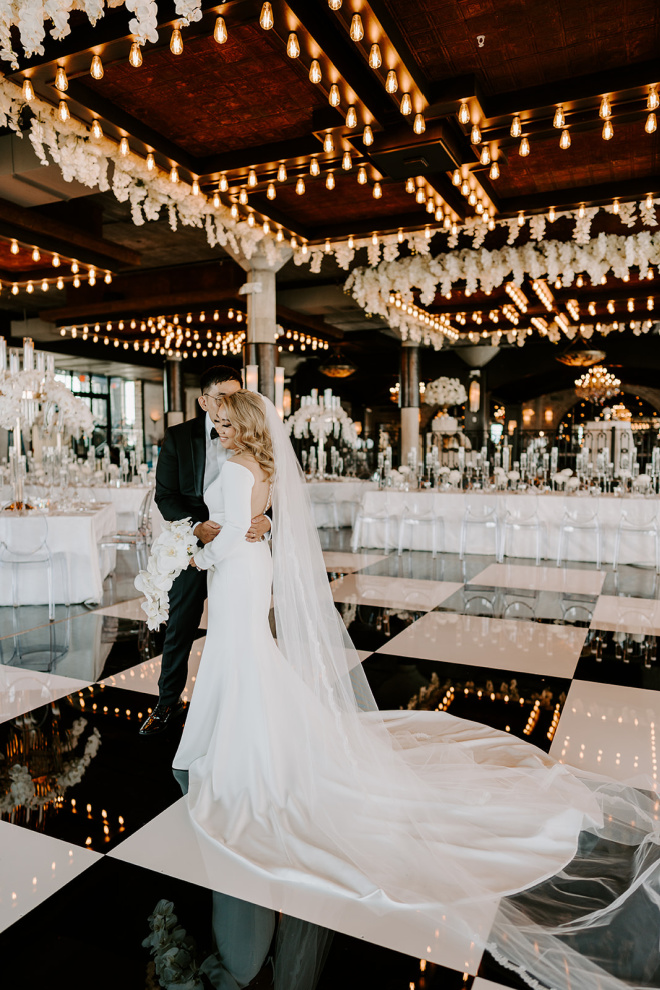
(258, 529)
(206, 531)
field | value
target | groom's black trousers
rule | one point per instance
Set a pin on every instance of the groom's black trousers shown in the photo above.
(187, 597)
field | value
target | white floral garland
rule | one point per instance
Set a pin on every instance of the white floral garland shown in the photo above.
(486, 270)
(15, 389)
(170, 554)
(444, 392)
(30, 17)
(314, 417)
(87, 160)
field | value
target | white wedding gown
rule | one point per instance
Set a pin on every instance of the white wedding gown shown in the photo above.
(417, 808)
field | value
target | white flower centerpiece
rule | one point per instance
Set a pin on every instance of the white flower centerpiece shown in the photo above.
(445, 392)
(170, 554)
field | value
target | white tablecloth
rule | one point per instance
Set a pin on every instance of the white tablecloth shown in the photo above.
(451, 506)
(126, 499)
(345, 493)
(72, 540)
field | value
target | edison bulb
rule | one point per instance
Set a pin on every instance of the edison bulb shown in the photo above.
(55, 261)
(410, 184)
(391, 83)
(375, 57)
(565, 139)
(608, 130)
(135, 55)
(243, 196)
(456, 177)
(484, 157)
(63, 111)
(328, 144)
(195, 187)
(266, 19)
(97, 130)
(362, 175)
(419, 124)
(347, 161)
(351, 242)
(281, 172)
(96, 68)
(28, 90)
(330, 180)
(300, 186)
(334, 98)
(270, 191)
(605, 110)
(464, 114)
(252, 178)
(223, 185)
(234, 211)
(36, 254)
(465, 188)
(220, 31)
(61, 81)
(516, 128)
(251, 221)
(315, 74)
(176, 41)
(357, 28)
(293, 45)
(475, 134)
(368, 136)
(216, 199)
(560, 118)
(334, 4)
(174, 174)
(406, 105)
(151, 162)
(124, 147)
(651, 124)
(523, 150)
(494, 171)
(314, 168)
(351, 117)
(615, 206)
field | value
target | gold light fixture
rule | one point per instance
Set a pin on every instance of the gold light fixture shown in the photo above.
(96, 68)
(559, 118)
(328, 143)
(96, 130)
(28, 91)
(368, 136)
(315, 74)
(523, 150)
(330, 180)
(357, 28)
(334, 99)
(605, 110)
(391, 82)
(63, 111)
(293, 45)
(516, 127)
(314, 168)
(375, 57)
(362, 175)
(608, 130)
(281, 172)
(252, 178)
(494, 171)
(419, 124)
(475, 134)
(124, 147)
(651, 123)
(377, 191)
(220, 31)
(300, 186)
(597, 385)
(176, 41)
(565, 139)
(351, 117)
(347, 161)
(61, 81)
(406, 105)
(266, 19)
(135, 55)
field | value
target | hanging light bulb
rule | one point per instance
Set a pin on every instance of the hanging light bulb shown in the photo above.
(608, 130)
(351, 117)
(653, 100)
(475, 134)
(14, 289)
(176, 41)
(195, 187)
(220, 31)
(61, 81)
(293, 45)
(410, 184)
(45, 285)
(472, 198)
(124, 147)
(63, 111)
(60, 283)
(96, 68)
(357, 28)
(265, 227)
(76, 282)
(300, 186)
(523, 150)
(406, 105)
(484, 157)
(494, 171)
(243, 196)
(651, 123)
(565, 139)
(419, 124)
(559, 119)
(368, 136)
(552, 215)
(521, 219)
(362, 175)
(347, 161)
(135, 55)
(334, 4)
(328, 143)
(28, 91)
(266, 19)
(234, 211)
(75, 267)
(391, 82)
(516, 127)
(465, 188)
(649, 201)
(615, 206)
(174, 174)
(14, 247)
(330, 180)
(456, 177)
(250, 220)
(55, 261)
(270, 191)
(375, 57)
(294, 243)
(581, 211)
(464, 114)
(314, 168)
(280, 235)
(281, 172)
(223, 185)
(217, 200)
(97, 130)
(315, 74)
(605, 108)
(377, 191)
(351, 242)
(151, 161)
(252, 178)
(420, 195)
(334, 98)
(430, 205)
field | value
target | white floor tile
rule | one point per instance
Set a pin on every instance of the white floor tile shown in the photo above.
(144, 676)
(199, 861)
(125, 610)
(543, 578)
(349, 562)
(611, 730)
(22, 690)
(392, 592)
(34, 866)
(634, 615)
(506, 644)
(481, 984)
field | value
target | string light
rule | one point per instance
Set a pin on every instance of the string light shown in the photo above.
(334, 4)
(243, 196)
(334, 99)
(270, 191)
(252, 178)
(220, 31)
(300, 186)
(375, 57)
(281, 172)
(605, 110)
(608, 130)
(63, 111)
(552, 215)
(351, 242)
(124, 147)
(195, 187)
(36, 254)
(581, 211)
(347, 161)
(357, 28)
(419, 124)
(55, 261)
(565, 139)
(410, 184)
(406, 105)
(559, 118)
(135, 55)
(61, 81)
(28, 91)
(223, 185)
(330, 180)
(292, 45)
(475, 134)
(378, 191)
(494, 171)
(174, 174)
(328, 143)
(651, 124)
(615, 206)
(516, 128)
(176, 41)
(368, 136)
(266, 19)
(97, 130)
(351, 117)
(391, 82)
(653, 100)
(315, 74)
(484, 157)
(151, 162)
(314, 168)
(523, 150)
(464, 114)
(362, 175)
(96, 68)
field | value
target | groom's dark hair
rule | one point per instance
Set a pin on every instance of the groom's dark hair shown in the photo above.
(218, 374)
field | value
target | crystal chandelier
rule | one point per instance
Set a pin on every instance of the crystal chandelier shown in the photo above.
(597, 385)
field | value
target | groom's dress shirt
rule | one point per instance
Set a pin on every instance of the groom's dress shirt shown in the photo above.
(216, 455)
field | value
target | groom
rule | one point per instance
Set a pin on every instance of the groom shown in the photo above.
(191, 458)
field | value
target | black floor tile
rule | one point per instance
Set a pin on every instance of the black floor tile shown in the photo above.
(523, 603)
(627, 659)
(372, 626)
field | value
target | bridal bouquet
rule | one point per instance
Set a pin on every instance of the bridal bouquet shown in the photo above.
(170, 554)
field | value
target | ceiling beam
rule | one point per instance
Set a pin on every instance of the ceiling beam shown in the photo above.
(589, 195)
(311, 323)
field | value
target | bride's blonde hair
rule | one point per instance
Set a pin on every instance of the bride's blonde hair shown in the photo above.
(247, 414)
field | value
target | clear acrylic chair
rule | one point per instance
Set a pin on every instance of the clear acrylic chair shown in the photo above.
(324, 505)
(386, 512)
(640, 518)
(520, 517)
(23, 541)
(139, 539)
(580, 516)
(483, 517)
(421, 515)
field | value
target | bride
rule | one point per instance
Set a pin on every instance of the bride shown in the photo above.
(293, 768)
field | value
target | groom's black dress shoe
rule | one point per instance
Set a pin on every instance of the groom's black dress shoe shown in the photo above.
(161, 718)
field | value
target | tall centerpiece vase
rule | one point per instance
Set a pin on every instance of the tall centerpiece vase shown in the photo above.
(18, 470)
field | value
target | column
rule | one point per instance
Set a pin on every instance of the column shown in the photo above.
(409, 398)
(260, 348)
(174, 392)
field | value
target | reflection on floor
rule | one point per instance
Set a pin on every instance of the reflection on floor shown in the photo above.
(94, 830)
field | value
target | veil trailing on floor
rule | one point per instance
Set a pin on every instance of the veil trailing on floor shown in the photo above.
(453, 818)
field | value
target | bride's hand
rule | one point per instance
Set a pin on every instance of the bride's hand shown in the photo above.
(192, 562)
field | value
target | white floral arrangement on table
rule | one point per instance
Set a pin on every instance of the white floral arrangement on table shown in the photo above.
(444, 392)
(170, 554)
(314, 419)
(34, 386)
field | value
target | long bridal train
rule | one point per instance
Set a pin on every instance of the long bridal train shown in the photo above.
(294, 770)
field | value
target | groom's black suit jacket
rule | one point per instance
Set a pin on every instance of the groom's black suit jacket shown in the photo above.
(180, 472)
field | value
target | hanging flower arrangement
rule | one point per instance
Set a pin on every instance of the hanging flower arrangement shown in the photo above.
(444, 392)
(314, 420)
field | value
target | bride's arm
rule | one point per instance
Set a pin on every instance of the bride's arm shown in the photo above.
(237, 483)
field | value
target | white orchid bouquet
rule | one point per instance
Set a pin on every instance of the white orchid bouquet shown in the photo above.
(170, 554)
(444, 392)
(50, 395)
(314, 419)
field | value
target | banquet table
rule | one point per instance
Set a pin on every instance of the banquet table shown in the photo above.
(345, 493)
(73, 542)
(549, 507)
(126, 499)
